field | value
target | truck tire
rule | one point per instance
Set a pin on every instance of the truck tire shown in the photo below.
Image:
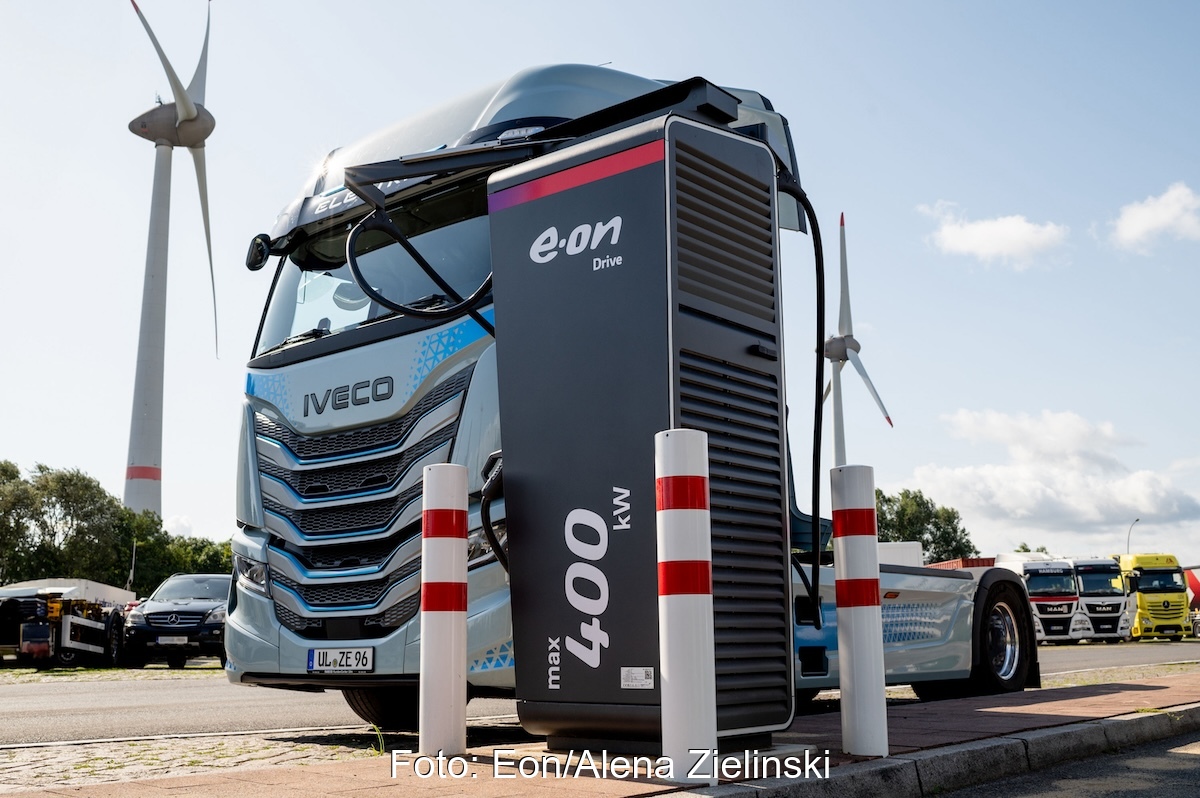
(67, 657)
(389, 708)
(114, 640)
(1006, 650)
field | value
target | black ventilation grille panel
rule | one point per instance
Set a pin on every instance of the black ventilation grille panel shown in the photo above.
(725, 241)
(739, 409)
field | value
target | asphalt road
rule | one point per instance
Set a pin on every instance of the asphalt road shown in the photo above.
(1162, 769)
(1084, 656)
(149, 703)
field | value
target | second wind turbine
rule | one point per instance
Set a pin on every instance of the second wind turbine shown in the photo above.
(839, 349)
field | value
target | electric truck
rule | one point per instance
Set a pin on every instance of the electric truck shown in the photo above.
(588, 256)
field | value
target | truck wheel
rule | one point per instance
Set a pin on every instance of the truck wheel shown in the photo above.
(66, 658)
(114, 640)
(1002, 642)
(389, 708)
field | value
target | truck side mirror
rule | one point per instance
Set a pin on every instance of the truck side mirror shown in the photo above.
(260, 250)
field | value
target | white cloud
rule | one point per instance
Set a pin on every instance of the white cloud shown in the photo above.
(1012, 239)
(1174, 212)
(1062, 473)
(179, 525)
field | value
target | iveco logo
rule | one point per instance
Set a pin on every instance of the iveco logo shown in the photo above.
(341, 397)
(585, 236)
(172, 619)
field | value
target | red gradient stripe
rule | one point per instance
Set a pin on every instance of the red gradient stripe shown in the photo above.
(857, 592)
(577, 176)
(444, 597)
(444, 524)
(853, 522)
(681, 493)
(685, 577)
(143, 472)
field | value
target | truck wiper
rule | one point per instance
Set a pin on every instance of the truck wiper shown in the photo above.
(307, 335)
(430, 301)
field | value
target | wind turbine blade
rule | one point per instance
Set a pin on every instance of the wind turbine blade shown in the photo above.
(202, 182)
(845, 323)
(185, 109)
(195, 89)
(862, 372)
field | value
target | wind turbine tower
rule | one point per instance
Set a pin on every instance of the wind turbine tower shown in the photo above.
(839, 349)
(182, 123)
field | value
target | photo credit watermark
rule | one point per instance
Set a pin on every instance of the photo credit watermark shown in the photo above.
(506, 763)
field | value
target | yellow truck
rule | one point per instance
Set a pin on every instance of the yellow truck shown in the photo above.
(1158, 595)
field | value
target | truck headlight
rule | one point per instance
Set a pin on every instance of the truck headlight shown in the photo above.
(252, 575)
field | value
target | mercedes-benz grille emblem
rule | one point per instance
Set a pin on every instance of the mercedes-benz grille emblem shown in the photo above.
(172, 619)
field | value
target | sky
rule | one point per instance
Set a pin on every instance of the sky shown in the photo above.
(1020, 183)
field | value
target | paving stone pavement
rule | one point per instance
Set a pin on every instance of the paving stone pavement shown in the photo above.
(926, 740)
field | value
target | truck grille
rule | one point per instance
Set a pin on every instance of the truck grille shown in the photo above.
(361, 517)
(369, 592)
(1172, 612)
(334, 480)
(363, 439)
(335, 470)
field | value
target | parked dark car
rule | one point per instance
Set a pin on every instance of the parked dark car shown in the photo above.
(184, 617)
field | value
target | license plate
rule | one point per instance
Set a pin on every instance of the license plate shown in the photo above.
(171, 640)
(341, 660)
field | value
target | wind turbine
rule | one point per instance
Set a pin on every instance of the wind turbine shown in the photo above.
(839, 349)
(182, 123)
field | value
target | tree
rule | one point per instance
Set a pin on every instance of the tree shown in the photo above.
(1024, 548)
(203, 556)
(18, 505)
(63, 523)
(911, 516)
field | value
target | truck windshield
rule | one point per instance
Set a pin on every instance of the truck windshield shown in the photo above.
(1101, 583)
(315, 295)
(1051, 585)
(1161, 582)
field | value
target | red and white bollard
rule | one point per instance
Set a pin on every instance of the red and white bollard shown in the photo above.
(859, 617)
(687, 667)
(442, 714)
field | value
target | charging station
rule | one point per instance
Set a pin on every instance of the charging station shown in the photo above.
(636, 285)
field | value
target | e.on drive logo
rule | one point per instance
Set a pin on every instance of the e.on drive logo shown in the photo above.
(585, 237)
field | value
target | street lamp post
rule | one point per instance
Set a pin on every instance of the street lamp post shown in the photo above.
(1130, 532)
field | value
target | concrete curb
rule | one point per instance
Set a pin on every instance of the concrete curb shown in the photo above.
(939, 770)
